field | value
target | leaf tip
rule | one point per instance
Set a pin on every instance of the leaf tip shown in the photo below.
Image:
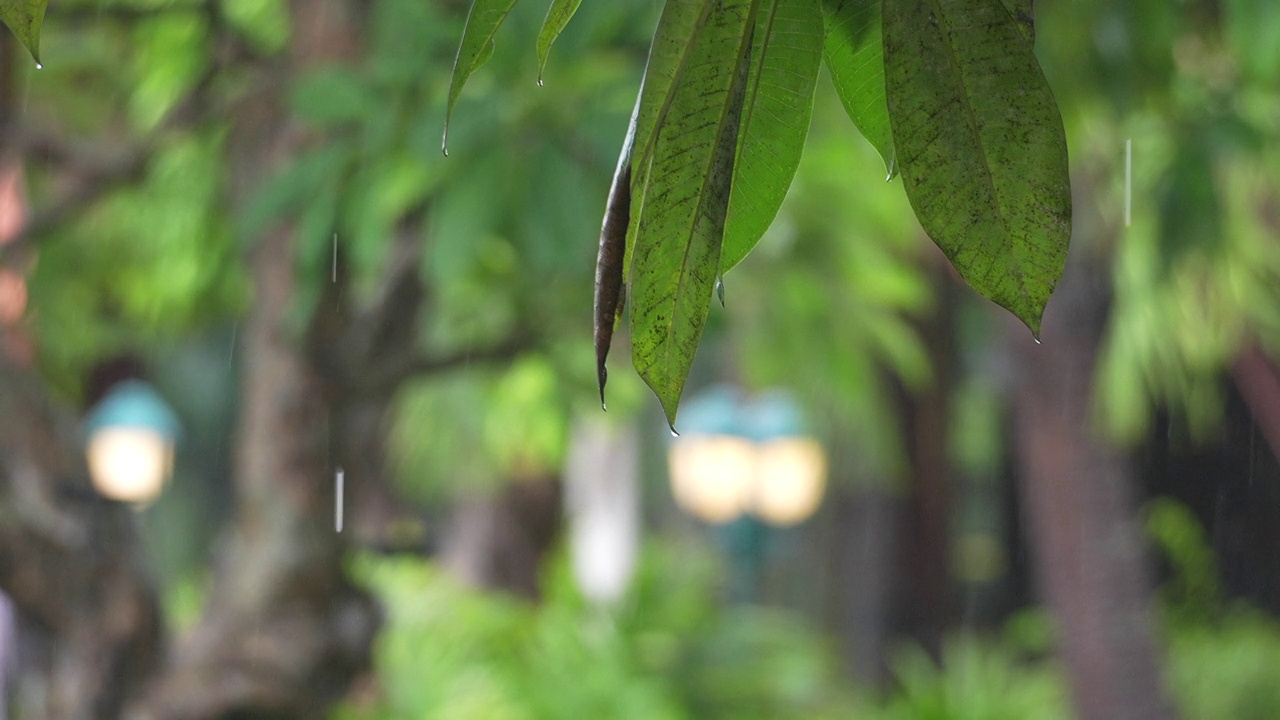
(602, 376)
(1033, 324)
(669, 410)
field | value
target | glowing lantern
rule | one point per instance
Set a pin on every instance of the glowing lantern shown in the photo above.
(737, 457)
(131, 436)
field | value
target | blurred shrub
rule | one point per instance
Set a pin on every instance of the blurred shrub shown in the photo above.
(1224, 662)
(668, 651)
(1228, 669)
(977, 680)
(1190, 596)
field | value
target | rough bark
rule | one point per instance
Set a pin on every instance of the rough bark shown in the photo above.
(284, 632)
(1079, 502)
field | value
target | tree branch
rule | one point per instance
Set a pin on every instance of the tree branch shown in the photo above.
(385, 376)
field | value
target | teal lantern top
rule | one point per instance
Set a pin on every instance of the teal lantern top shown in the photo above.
(134, 404)
(723, 410)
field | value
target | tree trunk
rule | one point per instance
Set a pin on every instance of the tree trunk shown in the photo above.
(865, 537)
(284, 632)
(927, 608)
(498, 542)
(1078, 493)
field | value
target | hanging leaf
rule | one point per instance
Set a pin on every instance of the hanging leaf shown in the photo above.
(855, 58)
(558, 16)
(981, 147)
(676, 28)
(476, 48)
(24, 18)
(685, 168)
(609, 259)
(786, 54)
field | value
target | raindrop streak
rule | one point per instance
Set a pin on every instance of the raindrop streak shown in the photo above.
(337, 500)
(720, 290)
(1128, 180)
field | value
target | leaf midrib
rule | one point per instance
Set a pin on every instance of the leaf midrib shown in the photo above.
(944, 25)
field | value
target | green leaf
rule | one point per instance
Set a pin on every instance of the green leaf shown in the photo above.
(786, 54)
(677, 26)
(981, 147)
(675, 31)
(1023, 12)
(24, 18)
(685, 168)
(855, 57)
(558, 16)
(476, 48)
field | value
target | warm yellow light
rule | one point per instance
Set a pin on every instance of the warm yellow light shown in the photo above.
(720, 477)
(129, 464)
(791, 476)
(712, 475)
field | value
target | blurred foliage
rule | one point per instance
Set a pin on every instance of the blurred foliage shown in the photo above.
(1227, 669)
(1191, 594)
(977, 680)
(1222, 659)
(1197, 272)
(145, 266)
(669, 650)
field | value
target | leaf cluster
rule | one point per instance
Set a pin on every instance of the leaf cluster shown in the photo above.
(950, 94)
